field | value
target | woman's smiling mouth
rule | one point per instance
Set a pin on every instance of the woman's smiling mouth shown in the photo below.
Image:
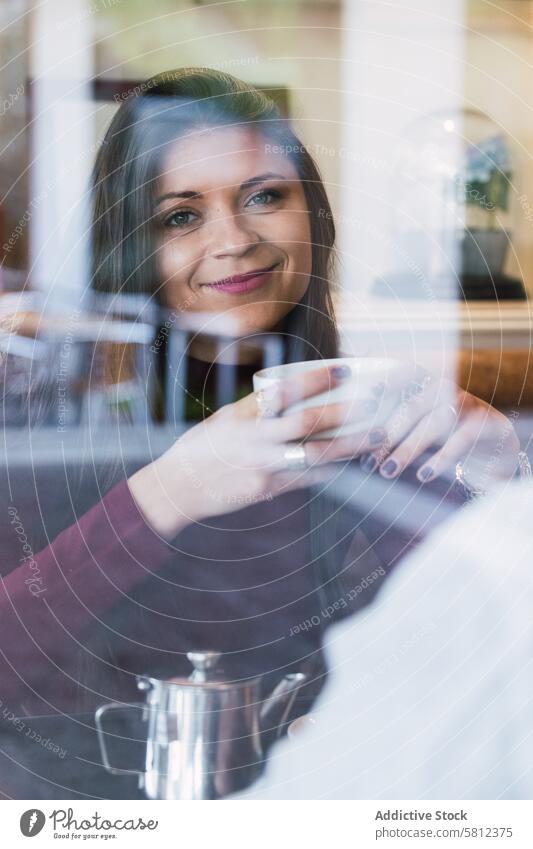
(239, 283)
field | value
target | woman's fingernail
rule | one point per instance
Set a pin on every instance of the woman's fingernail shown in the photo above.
(376, 436)
(371, 407)
(368, 462)
(341, 372)
(378, 389)
(389, 467)
(425, 473)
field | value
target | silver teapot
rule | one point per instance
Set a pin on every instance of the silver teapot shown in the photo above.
(206, 734)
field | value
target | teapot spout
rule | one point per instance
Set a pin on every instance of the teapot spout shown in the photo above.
(276, 708)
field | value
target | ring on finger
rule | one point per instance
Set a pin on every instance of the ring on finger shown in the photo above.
(295, 458)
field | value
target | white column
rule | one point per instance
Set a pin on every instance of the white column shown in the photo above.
(402, 64)
(61, 148)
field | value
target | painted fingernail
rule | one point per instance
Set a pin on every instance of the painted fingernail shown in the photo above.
(376, 436)
(368, 462)
(378, 389)
(389, 467)
(341, 372)
(371, 407)
(425, 473)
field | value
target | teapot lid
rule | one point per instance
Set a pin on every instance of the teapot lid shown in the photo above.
(204, 673)
(205, 664)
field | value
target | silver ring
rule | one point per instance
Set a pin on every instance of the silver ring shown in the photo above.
(295, 458)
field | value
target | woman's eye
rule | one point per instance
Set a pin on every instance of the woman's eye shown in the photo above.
(181, 218)
(264, 198)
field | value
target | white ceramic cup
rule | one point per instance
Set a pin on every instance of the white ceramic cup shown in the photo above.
(366, 373)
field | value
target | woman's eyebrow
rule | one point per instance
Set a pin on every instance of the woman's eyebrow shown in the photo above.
(253, 181)
(261, 178)
(169, 195)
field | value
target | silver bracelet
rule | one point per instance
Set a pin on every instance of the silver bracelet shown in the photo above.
(524, 471)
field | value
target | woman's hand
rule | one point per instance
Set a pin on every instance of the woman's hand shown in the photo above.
(236, 457)
(435, 415)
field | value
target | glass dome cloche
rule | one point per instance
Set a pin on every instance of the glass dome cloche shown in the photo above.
(451, 220)
(483, 184)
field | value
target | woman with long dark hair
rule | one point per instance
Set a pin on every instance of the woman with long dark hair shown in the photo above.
(206, 200)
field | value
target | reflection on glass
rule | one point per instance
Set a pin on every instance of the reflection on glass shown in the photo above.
(178, 510)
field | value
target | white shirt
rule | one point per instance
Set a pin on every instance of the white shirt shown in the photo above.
(430, 694)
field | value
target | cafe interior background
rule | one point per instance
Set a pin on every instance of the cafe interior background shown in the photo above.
(394, 130)
(419, 116)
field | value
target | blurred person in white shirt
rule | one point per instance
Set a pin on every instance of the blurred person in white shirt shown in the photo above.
(430, 692)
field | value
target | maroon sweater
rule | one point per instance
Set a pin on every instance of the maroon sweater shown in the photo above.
(50, 599)
(108, 599)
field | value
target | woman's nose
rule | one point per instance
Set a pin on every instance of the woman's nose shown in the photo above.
(230, 235)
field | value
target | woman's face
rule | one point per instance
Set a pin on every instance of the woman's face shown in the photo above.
(233, 228)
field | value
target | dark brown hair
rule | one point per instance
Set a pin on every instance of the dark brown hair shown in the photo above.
(156, 113)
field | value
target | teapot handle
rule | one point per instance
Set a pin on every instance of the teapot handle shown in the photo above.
(282, 700)
(98, 719)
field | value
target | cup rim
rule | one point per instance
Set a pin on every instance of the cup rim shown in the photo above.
(267, 372)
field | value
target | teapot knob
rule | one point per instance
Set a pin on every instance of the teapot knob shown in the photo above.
(203, 662)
